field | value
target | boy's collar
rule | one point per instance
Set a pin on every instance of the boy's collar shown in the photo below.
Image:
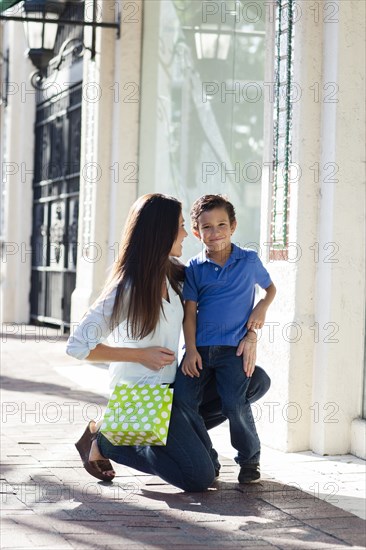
(236, 253)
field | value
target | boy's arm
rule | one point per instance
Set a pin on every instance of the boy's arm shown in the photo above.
(258, 315)
(248, 345)
(192, 360)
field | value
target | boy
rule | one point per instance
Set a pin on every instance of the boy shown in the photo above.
(219, 326)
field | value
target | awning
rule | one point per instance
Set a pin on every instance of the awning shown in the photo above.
(6, 4)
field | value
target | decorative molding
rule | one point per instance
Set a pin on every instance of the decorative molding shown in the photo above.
(282, 130)
(90, 155)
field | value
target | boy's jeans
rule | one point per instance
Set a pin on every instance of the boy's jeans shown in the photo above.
(222, 363)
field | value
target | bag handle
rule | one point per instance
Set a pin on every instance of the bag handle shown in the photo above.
(143, 379)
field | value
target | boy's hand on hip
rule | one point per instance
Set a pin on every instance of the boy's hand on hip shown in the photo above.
(192, 364)
(248, 349)
(258, 316)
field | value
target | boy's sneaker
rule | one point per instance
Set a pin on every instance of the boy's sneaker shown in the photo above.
(249, 473)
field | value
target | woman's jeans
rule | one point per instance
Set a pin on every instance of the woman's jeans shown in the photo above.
(184, 462)
(235, 392)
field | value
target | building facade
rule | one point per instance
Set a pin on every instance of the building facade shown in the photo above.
(262, 101)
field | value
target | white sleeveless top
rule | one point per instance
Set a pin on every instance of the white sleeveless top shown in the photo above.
(94, 329)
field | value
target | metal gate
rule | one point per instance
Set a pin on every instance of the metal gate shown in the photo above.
(55, 206)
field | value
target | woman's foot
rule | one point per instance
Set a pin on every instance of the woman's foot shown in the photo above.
(94, 463)
(95, 454)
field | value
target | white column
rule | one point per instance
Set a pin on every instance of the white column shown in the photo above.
(109, 163)
(340, 284)
(125, 172)
(323, 291)
(17, 170)
(286, 345)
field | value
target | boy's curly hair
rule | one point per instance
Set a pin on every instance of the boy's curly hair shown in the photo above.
(209, 202)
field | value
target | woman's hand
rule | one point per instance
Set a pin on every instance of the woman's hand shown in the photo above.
(191, 363)
(248, 349)
(156, 358)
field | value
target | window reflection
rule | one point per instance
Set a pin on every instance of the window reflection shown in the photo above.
(202, 104)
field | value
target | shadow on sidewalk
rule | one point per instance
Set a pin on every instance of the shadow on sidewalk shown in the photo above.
(100, 515)
(25, 385)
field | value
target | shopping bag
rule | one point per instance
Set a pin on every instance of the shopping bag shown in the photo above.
(138, 415)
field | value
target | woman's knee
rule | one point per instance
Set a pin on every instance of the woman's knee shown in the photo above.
(198, 472)
(200, 481)
(265, 382)
(259, 385)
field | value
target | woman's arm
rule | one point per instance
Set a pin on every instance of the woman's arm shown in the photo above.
(154, 358)
(87, 340)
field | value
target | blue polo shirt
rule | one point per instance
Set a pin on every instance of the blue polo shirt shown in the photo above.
(224, 295)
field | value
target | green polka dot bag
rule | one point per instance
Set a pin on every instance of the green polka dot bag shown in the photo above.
(138, 415)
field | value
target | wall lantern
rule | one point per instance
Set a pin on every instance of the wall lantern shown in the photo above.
(41, 34)
(41, 18)
(212, 43)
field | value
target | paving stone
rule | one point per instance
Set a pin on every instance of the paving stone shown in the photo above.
(122, 545)
(315, 512)
(14, 513)
(18, 460)
(8, 524)
(11, 502)
(335, 525)
(82, 527)
(355, 539)
(6, 488)
(8, 540)
(64, 463)
(254, 525)
(301, 537)
(48, 541)
(66, 474)
(228, 545)
(106, 510)
(99, 541)
(20, 475)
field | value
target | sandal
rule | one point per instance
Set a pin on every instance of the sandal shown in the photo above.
(96, 468)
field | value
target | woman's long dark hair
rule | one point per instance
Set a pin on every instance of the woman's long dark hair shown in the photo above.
(143, 263)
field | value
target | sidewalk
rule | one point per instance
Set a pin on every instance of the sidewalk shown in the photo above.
(49, 501)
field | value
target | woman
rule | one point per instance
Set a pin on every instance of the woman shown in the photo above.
(140, 311)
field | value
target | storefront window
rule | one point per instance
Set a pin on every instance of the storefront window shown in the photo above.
(201, 127)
